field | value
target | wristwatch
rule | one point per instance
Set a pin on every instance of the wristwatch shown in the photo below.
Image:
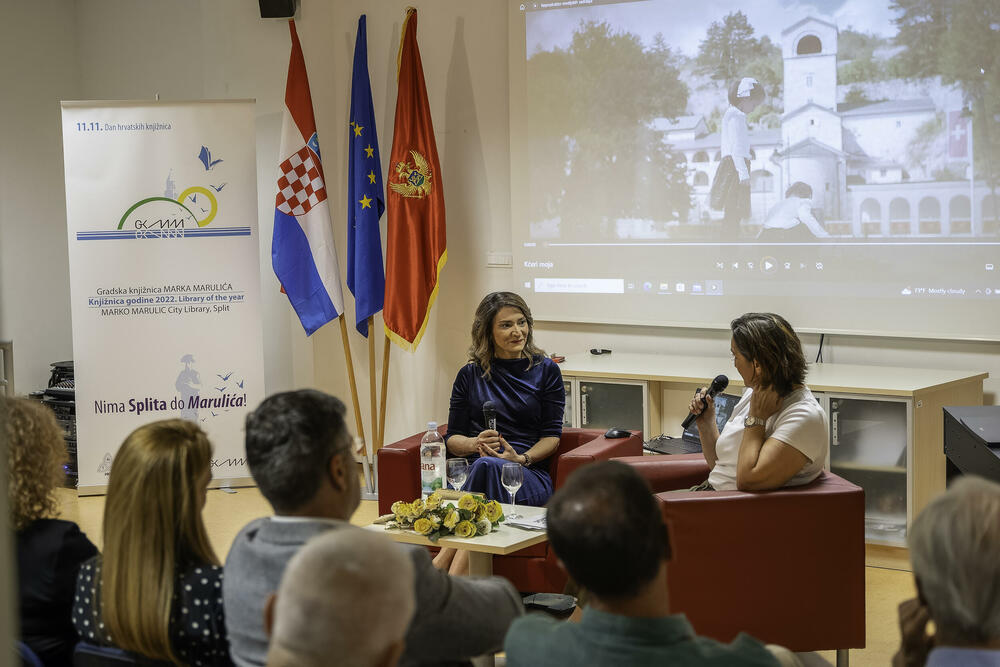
(749, 421)
(527, 460)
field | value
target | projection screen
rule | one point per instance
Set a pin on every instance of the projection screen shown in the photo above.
(679, 163)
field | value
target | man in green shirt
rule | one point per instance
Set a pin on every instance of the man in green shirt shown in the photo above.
(608, 533)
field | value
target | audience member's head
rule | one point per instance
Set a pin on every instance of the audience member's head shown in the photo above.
(300, 454)
(36, 452)
(607, 529)
(347, 594)
(153, 525)
(954, 548)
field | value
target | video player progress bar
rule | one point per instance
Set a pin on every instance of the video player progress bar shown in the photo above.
(689, 244)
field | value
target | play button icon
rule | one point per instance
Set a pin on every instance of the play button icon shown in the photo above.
(768, 264)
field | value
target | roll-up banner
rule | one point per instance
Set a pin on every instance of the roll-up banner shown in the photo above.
(161, 209)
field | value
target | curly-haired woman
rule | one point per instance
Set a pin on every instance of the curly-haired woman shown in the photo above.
(49, 550)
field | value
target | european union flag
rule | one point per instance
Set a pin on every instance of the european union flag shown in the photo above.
(365, 194)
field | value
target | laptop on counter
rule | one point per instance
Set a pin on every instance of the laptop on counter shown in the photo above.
(690, 442)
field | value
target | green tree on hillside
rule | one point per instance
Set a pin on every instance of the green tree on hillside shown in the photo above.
(959, 42)
(731, 51)
(593, 156)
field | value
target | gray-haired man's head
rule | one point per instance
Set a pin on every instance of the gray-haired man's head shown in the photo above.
(955, 551)
(347, 592)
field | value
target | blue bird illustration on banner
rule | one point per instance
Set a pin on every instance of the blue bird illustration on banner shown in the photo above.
(206, 158)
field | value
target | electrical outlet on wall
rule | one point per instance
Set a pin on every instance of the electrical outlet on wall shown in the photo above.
(501, 259)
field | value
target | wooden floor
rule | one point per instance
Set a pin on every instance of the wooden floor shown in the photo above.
(888, 581)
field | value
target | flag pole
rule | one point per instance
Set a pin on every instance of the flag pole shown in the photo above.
(371, 382)
(358, 422)
(385, 388)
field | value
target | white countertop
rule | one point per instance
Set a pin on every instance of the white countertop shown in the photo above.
(686, 369)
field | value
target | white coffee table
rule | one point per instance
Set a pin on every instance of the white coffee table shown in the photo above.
(504, 540)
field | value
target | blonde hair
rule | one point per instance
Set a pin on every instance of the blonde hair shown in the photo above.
(482, 351)
(152, 528)
(36, 453)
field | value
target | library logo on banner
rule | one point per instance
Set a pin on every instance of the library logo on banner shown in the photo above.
(172, 215)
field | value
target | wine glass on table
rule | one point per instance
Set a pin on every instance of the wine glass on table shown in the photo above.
(512, 477)
(457, 470)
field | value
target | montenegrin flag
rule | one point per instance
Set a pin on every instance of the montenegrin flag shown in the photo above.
(365, 201)
(416, 247)
(302, 249)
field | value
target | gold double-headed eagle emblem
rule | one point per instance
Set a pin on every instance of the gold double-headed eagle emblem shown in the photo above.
(415, 177)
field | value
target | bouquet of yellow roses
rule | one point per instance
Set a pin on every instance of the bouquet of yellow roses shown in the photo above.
(432, 518)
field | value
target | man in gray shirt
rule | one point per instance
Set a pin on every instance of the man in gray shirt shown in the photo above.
(299, 453)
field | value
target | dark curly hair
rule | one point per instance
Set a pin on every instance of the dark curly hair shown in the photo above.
(769, 340)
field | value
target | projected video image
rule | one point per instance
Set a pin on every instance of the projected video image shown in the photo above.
(773, 121)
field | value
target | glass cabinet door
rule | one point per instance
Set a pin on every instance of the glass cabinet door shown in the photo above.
(868, 446)
(607, 404)
(568, 410)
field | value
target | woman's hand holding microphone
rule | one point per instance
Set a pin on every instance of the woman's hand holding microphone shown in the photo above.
(703, 405)
(491, 443)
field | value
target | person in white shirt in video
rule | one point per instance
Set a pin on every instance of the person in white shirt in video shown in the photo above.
(793, 219)
(731, 187)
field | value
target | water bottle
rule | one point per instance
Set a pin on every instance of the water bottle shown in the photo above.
(432, 461)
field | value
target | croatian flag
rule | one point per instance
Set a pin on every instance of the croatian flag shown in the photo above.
(302, 248)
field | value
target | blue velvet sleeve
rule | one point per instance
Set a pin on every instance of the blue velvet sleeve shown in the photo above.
(459, 419)
(553, 400)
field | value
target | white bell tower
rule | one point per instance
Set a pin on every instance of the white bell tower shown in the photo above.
(809, 51)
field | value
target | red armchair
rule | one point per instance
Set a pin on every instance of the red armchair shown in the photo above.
(786, 566)
(533, 569)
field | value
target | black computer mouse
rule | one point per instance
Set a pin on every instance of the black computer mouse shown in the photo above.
(614, 433)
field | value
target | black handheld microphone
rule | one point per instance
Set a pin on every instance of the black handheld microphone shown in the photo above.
(490, 415)
(718, 384)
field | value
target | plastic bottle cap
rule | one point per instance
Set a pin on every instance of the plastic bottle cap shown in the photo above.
(432, 426)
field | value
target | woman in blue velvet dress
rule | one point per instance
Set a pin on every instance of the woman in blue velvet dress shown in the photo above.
(506, 367)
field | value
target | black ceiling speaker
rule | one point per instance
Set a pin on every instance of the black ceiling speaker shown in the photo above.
(277, 9)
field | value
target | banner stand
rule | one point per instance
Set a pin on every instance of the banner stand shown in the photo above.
(161, 215)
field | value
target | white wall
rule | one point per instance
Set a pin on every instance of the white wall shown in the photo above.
(108, 49)
(191, 49)
(38, 43)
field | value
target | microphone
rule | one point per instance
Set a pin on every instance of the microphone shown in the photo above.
(490, 415)
(718, 384)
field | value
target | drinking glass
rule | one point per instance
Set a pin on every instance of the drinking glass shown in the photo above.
(512, 477)
(457, 470)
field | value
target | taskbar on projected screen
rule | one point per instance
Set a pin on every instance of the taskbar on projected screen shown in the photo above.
(949, 271)
(751, 286)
